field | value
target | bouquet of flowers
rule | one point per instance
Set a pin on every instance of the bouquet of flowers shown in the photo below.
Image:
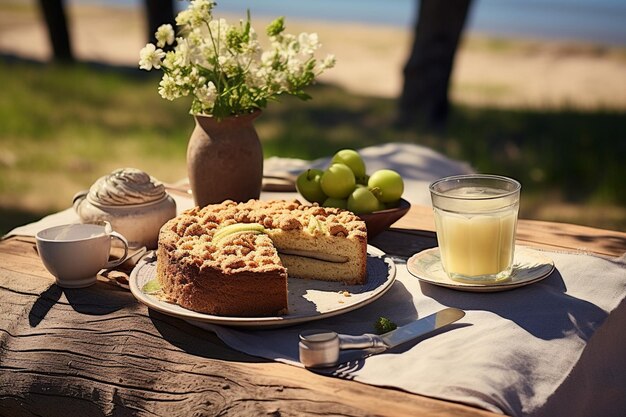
(224, 68)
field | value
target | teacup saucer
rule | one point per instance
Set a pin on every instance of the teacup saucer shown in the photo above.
(529, 266)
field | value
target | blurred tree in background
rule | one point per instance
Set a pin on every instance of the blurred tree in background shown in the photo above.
(56, 22)
(158, 12)
(436, 34)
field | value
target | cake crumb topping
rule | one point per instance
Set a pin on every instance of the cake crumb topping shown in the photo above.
(194, 229)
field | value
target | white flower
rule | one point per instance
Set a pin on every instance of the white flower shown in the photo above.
(168, 88)
(219, 30)
(202, 7)
(183, 17)
(281, 81)
(257, 78)
(329, 61)
(164, 35)
(194, 77)
(253, 46)
(267, 58)
(294, 65)
(244, 75)
(187, 53)
(150, 57)
(195, 37)
(198, 12)
(309, 43)
(207, 94)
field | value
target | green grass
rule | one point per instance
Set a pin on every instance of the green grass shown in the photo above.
(61, 127)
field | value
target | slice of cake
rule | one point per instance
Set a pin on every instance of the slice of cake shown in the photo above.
(233, 259)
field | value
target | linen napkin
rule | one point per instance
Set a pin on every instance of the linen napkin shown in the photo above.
(512, 353)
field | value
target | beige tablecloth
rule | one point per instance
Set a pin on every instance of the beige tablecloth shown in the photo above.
(554, 348)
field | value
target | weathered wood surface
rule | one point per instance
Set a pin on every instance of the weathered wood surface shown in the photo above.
(97, 351)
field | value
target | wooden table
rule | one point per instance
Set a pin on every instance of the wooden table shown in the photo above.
(97, 351)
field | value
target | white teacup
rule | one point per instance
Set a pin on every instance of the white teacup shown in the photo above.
(75, 253)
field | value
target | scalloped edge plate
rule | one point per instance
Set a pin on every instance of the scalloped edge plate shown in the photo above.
(529, 266)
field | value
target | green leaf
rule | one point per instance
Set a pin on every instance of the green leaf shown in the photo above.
(384, 325)
(303, 96)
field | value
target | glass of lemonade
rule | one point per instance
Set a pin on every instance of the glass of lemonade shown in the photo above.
(476, 219)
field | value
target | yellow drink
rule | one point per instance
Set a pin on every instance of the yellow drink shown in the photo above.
(476, 230)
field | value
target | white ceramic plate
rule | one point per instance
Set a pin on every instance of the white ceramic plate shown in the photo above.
(308, 299)
(529, 266)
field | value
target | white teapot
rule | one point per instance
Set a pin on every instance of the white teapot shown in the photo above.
(135, 204)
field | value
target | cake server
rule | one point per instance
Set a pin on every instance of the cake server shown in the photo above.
(319, 348)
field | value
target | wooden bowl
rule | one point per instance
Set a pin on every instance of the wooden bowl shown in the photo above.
(380, 221)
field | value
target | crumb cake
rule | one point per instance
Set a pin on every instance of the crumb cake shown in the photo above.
(232, 259)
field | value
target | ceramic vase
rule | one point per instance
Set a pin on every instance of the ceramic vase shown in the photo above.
(225, 159)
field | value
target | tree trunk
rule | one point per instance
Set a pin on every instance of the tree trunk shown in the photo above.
(437, 31)
(56, 22)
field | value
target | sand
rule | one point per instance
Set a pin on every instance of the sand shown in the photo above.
(488, 71)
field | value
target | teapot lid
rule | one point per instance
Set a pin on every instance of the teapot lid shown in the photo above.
(126, 186)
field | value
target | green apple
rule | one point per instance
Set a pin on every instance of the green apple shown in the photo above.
(387, 185)
(341, 203)
(352, 159)
(362, 201)
(308, 185)
(338, 181)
